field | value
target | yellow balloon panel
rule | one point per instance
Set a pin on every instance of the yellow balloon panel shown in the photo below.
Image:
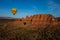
(14, 10)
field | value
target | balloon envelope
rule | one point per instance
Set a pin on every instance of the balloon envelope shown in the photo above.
(14, 10)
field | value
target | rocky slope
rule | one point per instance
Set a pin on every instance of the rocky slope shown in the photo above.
(42, 20)
(36, 27)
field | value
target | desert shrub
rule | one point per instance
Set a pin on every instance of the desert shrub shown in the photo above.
(22, 33)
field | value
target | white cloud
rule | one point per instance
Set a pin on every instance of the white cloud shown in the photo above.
(33, 10)
(52, 5)
(53, 8)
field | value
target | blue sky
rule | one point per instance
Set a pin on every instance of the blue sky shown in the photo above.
(29, 7)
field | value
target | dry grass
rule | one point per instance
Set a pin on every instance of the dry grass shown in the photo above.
(22, 33)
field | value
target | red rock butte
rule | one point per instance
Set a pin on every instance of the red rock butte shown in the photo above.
(35, 20)
(39, 19)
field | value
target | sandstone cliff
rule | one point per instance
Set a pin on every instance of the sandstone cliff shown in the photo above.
(42, 20)
(44, 27)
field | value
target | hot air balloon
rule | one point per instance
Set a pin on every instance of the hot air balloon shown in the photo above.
(14, 10)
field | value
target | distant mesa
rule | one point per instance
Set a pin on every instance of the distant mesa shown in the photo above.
(58, 18)
(6, 18)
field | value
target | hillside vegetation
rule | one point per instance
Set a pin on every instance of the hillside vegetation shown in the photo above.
(36, 27)
(23, 33)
